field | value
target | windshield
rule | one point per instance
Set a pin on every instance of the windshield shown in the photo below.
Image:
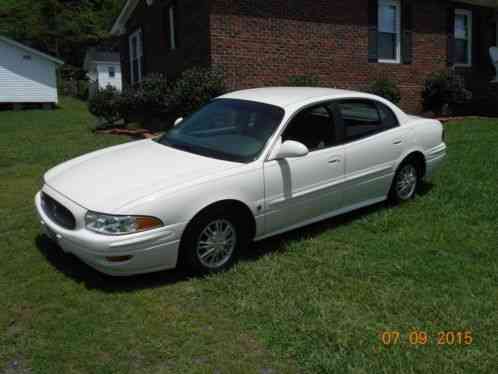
(232, 130)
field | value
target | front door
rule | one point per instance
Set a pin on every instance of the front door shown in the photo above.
(301, 189)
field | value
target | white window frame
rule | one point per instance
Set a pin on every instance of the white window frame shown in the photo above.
(468, 14)
(111, 70)
(397, 5)
(172, 28)
(138, 35)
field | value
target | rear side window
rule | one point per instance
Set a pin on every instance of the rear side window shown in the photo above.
(363, 118)
(387, 116)
(360, 118)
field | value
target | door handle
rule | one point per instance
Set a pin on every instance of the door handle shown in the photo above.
(396, 142)
(334, 161)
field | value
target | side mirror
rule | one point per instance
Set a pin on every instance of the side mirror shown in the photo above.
(178, 121)
(291, 149)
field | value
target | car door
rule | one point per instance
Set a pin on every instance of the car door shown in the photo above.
(373, 142)
(300, 189)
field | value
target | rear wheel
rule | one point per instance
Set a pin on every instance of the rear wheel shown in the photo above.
(406, 182)
(213, 240)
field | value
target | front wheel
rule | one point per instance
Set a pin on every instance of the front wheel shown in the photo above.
(405, 182)
(212, 241)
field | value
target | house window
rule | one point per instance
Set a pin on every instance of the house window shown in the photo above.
(463, 37)
(136, 57)
(112, 72)
(171, 26)
(389, 35)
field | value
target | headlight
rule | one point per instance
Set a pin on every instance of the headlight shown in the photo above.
(119, 225)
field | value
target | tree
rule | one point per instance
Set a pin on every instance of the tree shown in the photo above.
(64, 28)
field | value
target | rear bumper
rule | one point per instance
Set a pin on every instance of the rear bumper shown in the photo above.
(434, 160)
(150, 251)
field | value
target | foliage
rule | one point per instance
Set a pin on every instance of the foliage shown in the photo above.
(315, 300)
(445, 88)
(155, 97)
(63, 28)
(148, 97)
(303, 81)
(195, 88)
(387, 89)
(106, 104)
(83, 89)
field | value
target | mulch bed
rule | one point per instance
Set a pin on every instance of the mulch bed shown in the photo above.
(451, 119)
(461, 118)
(134, 133)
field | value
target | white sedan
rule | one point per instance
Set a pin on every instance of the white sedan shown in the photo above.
(247, 166)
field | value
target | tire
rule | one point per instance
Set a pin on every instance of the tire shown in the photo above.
(213, 240)
(406, 182)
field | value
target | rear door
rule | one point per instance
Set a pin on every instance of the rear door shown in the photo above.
(301, 189)
(373, 141)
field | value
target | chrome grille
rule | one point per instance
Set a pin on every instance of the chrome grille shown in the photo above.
(57, 212)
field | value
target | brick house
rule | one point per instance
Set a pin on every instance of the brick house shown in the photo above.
(345, 43)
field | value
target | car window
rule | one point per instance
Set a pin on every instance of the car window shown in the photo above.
(361, 119)
(228, 129)
(389, 119)
(313, 127)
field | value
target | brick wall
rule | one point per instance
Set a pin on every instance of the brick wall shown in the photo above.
(262, 43)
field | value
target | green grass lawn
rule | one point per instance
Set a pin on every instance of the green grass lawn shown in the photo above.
(316, 300)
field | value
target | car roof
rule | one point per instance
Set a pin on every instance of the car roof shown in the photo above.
(286, 96)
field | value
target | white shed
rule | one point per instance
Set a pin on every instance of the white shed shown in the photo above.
(103, 69)
(26, 75)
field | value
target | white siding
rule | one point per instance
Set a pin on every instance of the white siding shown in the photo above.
(26, 80)
(105, 79)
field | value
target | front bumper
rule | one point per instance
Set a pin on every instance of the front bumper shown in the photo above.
(150, 251)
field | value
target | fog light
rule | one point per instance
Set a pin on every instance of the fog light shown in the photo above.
(118, 258)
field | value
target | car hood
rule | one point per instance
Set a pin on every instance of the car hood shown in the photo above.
(109, 179)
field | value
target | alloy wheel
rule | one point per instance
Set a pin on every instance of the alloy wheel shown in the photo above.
(216, 243)
(406, 182)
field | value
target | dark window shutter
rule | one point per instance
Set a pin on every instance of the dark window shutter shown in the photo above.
(373, 9)
(450, 29)
(407, 36)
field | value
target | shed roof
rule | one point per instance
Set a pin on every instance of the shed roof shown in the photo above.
(93, 54)
(31, 50)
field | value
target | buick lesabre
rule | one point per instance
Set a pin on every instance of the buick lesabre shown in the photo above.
(247, 166)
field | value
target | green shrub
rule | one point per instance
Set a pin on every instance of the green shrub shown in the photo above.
(303, 81)
(106, 104)
(155, 99)
(83, 90)
(149, 98)
(129, 107)
(387, 89)
(445, 89)
(195, 88)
